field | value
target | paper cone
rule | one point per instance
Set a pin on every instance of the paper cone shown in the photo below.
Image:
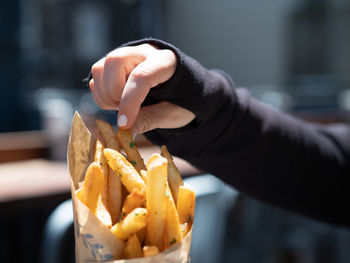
(94, 242)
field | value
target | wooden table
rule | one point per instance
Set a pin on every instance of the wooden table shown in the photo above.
(32, 178)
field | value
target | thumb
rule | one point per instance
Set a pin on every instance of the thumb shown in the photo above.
(163, 115)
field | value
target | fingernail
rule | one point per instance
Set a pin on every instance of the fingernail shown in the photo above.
(122, 120)
(134, 136)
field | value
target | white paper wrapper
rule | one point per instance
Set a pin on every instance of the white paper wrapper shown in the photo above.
(93, 241)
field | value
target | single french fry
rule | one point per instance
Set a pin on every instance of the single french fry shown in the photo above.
(149, 251)
(155, 200)
(172, 222)
(127, 173)
(101, 160)
(133, 248)
(91, 189)
(185, 206)
(131, 202)
(114, 194)
(174, 177)
(107, 132)
(131, 224)
(130, 148)
(102, 204)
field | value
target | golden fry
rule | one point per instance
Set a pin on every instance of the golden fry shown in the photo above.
(127, 173)
(132, 201)
(172, 223)
(185, 206)
(102, 205)
(106, 131)
(91, 189)
(114, 195)
(131, 224)
(101, 160)
(130, 149)
(133, 248)
(155, 200)
(174, 177)
(149, 251)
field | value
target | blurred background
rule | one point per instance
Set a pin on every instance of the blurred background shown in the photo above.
(291, 54)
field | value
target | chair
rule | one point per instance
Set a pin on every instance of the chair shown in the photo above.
(58, 237)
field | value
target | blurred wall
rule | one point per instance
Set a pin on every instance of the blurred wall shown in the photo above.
(9, 65)
(248, 39)
(265, 42)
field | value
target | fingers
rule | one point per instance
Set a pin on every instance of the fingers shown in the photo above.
(117, 67)
(124, 77)
(163, 115)
(152, 71)
(97, 88)
(110, 74)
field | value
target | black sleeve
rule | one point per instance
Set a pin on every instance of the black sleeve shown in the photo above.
(262, 152)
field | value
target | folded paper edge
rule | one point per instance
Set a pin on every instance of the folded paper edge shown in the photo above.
(80, 149)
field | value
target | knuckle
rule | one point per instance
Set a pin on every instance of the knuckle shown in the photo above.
(97, 67)
(140, 74)
(116, 56)
(143, 76)
(111, 60)
(91, 84)
(94, 70)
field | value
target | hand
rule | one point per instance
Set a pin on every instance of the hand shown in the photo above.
(122, 80)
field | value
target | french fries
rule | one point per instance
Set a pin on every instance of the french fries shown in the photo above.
(133, 248)
(174, 177)
(112, 182)
(157, 168)
(132, 201)
(102, 211)
(172, 222)
(107, 132)
(127, 173)
(157, 210)
(91, 189)
(132, 223)
(185, 206)
(130, 149)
